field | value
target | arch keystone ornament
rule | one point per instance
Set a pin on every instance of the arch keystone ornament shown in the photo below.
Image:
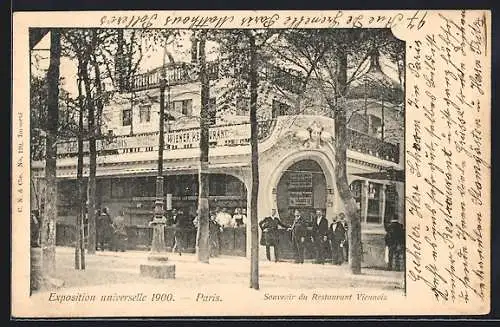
(314, 136)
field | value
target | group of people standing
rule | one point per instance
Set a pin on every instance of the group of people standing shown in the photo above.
(326, 238)
(219, 219)
(111, 232)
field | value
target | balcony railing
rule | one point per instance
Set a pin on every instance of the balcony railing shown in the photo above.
(176, 74)
(183, 73)
(286, 79)
(360, 142)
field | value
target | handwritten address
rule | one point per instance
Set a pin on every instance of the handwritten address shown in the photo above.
(411, 20)
(447, 159)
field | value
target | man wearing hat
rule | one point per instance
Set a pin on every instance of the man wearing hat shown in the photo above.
(270, 236)
(337, 239)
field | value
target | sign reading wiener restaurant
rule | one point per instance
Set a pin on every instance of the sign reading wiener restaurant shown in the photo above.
(224, 135)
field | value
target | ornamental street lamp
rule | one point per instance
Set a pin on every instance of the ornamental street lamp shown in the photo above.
(157, 265)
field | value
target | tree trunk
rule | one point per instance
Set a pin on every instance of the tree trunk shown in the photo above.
(119, 64)
(79, 249)
(94, 130)
(49, 221)
(202, 236)
(91, 187)
(254, 231)
(353, 218)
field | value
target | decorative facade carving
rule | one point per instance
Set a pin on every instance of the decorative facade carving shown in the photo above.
(313, 136)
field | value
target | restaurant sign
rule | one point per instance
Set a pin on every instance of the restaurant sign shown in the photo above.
(184, 138)
(301, 179)
(300, 199)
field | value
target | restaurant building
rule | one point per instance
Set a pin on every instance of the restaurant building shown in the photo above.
(296, 157)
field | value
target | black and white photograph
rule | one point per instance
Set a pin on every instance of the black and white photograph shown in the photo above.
(172, 166)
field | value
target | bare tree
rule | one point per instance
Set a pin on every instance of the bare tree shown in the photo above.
(243, 52)
(93, 50)
(254, 144)
(202, 237)
(48, 237)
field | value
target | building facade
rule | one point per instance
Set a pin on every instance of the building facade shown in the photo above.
(296, 157)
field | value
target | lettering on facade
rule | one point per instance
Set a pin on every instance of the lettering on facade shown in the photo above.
(301, 179)
(300, 199)
(226, 135)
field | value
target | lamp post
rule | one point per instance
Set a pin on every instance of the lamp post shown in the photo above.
(157, 265)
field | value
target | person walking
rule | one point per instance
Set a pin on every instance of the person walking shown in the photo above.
(182, 224)
(270, 237)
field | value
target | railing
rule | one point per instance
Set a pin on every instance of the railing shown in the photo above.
(183, 73)
(287, 79)
(176, 74)
(222, 135)
(364, 143)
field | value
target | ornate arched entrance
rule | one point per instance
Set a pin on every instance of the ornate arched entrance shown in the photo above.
(302, 186)
(303, 180)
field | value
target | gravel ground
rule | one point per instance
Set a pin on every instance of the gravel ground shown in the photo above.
(123, 268)
(111, 286)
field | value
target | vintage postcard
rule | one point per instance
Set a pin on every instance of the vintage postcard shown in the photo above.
(251, 163)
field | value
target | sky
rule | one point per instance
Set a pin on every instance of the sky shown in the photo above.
(152, 59)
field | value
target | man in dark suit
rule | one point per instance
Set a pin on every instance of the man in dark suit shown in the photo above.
(270, 236)
(338, 238)
(320, 235)
(299, 232)
(394, 240)
(104, 228)
(182, 224)
(345, 247)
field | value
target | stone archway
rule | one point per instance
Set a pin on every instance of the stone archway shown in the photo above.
(319, 164)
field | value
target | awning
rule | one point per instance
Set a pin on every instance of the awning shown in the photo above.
(389, 175)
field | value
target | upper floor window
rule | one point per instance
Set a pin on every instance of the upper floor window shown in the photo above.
(280, 108)
(127, 117)
(183, 106)
(145, 113)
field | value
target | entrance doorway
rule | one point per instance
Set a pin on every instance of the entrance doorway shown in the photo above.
(302, 186)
